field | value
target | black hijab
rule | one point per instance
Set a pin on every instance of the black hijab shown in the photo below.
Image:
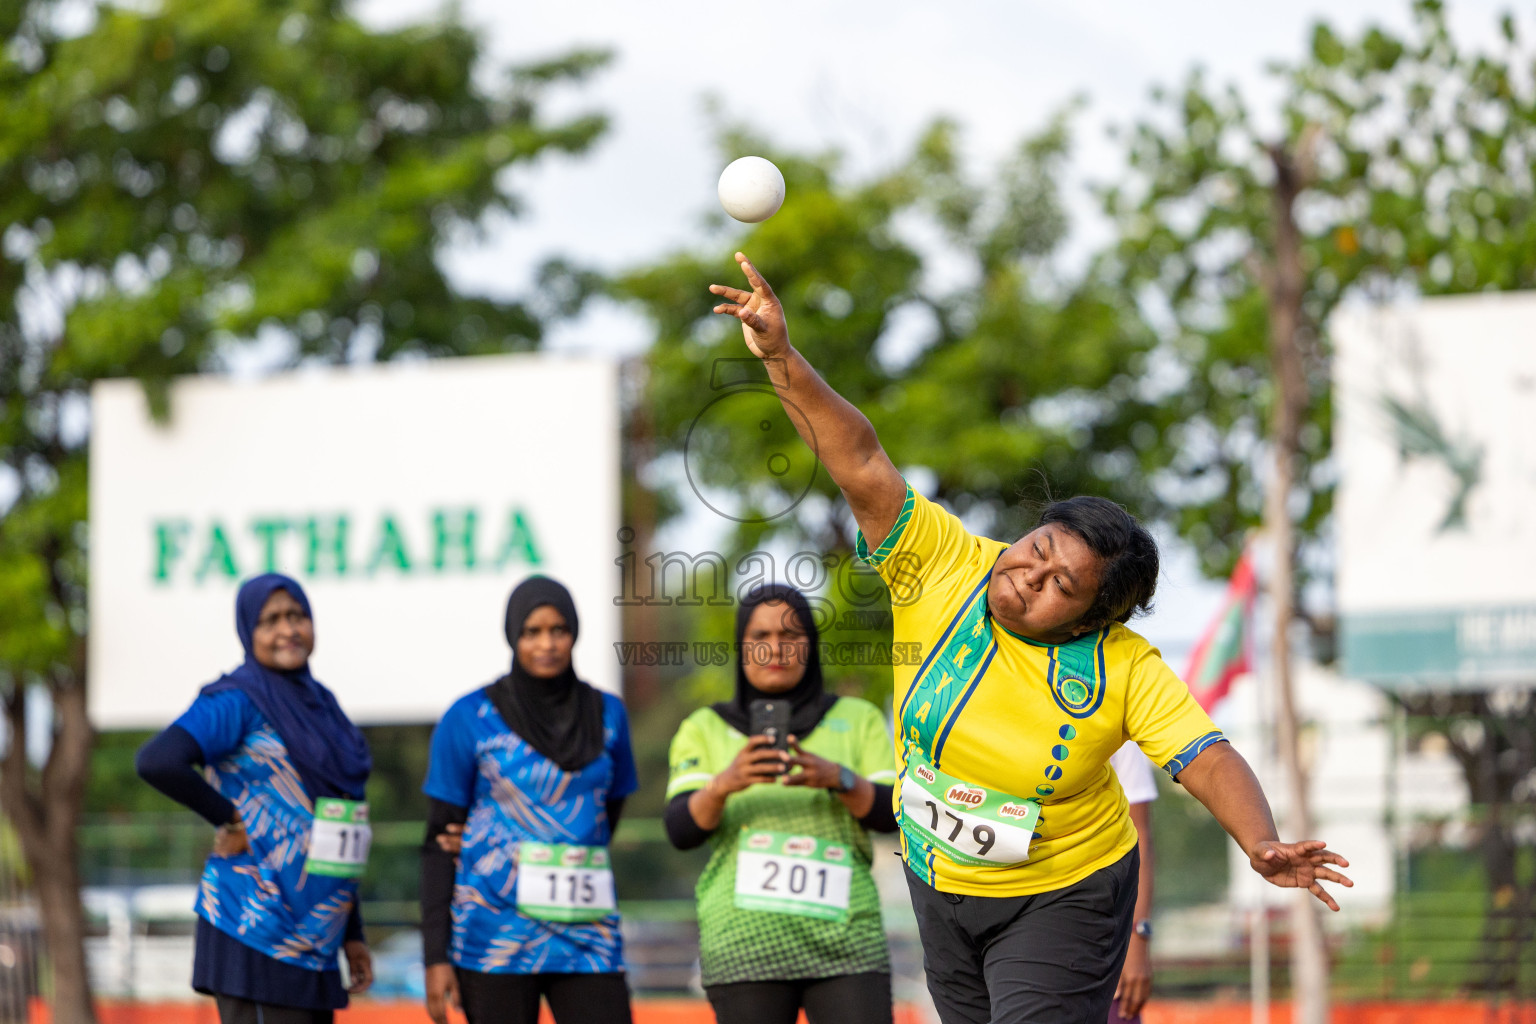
(809, 702)
(561, 718)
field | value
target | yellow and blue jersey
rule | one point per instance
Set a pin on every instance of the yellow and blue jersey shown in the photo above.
(1039, 721)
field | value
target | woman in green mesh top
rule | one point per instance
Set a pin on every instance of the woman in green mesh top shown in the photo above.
(788, 913)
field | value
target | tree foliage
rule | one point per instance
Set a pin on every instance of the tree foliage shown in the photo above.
(1416, 158)
(178, 180)
(990, 380)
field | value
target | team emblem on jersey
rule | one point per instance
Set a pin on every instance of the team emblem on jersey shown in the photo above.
(1077, 676)
(1072, 692)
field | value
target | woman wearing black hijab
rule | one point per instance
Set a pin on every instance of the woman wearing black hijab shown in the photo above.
(788, 913)
(535, 767)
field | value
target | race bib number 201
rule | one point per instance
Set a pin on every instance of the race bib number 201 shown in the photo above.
(339, 838)
(793, 874)
(969, 824)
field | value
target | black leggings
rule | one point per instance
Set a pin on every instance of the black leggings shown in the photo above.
(1054, 956)
(573, 998)
(244, 1011)
(848, 999)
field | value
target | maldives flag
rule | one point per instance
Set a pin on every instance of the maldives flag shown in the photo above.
(1223, 653)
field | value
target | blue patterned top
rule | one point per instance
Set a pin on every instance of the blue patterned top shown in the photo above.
(265, 898)
(515, 794)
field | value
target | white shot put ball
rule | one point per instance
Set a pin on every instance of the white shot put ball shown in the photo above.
(751, 189)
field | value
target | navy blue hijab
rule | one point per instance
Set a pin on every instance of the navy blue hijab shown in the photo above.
(326, 749)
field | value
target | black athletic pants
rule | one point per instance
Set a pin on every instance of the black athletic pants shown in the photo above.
(243, 1011)
(573, 998)
(847, 999)
(1053, 957)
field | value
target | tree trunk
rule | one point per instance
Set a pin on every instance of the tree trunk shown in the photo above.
(1309, 955)
(44, 819)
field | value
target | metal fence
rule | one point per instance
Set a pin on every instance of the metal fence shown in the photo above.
(20, 935)
(1434, 943)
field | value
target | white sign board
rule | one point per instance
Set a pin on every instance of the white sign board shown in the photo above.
(1435, 438)
(408, 499)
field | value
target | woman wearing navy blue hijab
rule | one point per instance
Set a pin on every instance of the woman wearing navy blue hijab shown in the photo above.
(278, 898)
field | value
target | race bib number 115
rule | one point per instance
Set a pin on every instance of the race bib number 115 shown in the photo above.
(556, 882)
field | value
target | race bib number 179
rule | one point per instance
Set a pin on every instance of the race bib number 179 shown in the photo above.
(967, 823)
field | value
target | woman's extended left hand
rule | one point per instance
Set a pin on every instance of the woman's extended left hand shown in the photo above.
(1300, 866)
(359, 966)
(813, 771)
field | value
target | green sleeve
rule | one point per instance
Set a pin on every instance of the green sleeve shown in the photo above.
(688, 761)
(876, 756)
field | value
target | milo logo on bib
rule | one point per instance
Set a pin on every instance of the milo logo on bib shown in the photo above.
(800, 846)
(536, 854)
(964, 822)
(331, 810)
(962, 795)
(572, 856)
(760, 840)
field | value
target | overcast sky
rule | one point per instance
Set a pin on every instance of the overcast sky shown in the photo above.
(864, 76)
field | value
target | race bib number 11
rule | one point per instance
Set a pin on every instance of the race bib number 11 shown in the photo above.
(339, 838)
(968, 824)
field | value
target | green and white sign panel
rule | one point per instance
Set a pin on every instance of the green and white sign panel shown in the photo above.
(1435, 440)
(785, 873)
(408, 499)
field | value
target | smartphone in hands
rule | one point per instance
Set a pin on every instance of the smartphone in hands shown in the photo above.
(770, 718)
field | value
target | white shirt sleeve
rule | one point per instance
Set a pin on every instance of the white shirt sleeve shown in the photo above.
(1135, 773)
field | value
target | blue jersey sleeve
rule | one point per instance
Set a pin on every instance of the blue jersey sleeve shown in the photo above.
(220, 722)
(451, 758)
(625, 779)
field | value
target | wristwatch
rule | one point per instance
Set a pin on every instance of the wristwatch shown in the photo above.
(1143, 928)
(846, 779)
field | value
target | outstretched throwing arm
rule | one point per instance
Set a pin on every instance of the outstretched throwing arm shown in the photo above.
(840, 436)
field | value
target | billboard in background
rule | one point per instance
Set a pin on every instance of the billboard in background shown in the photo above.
(407, 498)
(1435, 436)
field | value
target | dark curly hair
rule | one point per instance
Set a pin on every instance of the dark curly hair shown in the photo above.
(1128, 555)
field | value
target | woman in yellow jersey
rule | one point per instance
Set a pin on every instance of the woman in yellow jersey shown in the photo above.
(1020, 853)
